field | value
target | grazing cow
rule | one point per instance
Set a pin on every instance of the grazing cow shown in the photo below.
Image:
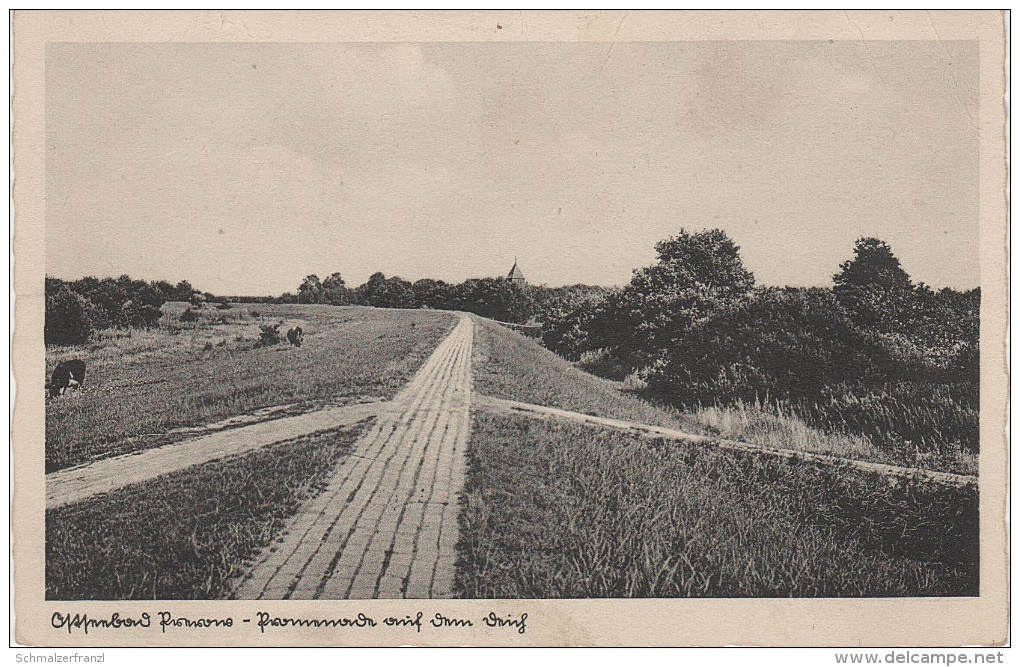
(67, 375)
(295, 336)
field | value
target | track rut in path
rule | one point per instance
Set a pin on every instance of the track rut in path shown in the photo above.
(386, 524)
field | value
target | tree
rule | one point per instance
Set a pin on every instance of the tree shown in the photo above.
(429, 293)
(69, 318)
(696, 273)
(383, 292)
(334, 290)
(183, 291)
(567, 314)
(140, 314)
(496, 298)
(874, 289)
(310, 290)
(873, 267)
(779, 343)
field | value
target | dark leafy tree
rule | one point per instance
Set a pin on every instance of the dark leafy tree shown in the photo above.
(334, 290)
(567, 315)
(874, 288)
(696, 274)
(873, 266)
(69, 317)
(183, 291)
(495, 298)
(780, 343)
(429, 293)
(383, 292)
(310, 290)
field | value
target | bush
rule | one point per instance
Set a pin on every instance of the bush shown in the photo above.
(223, 305)
(269, 334)
(779, 344)
(189, 315)
(567, 316)
(110, 302)
(69, 318)
(140, 315)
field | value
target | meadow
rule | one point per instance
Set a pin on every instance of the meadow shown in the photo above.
(186, 535)
(144, 383)
(555, 510)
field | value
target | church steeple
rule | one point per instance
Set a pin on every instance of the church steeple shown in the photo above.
(515, 276)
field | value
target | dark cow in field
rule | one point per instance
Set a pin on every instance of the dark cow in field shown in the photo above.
(295, 336)
(67, 375)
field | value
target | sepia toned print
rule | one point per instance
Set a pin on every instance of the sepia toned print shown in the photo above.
(435, 333)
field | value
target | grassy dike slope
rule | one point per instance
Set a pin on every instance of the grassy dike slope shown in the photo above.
(565, 510)
(143, 383)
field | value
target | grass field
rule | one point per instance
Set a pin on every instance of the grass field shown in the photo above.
(561, 510)
(143, 383)
(187, 534)
(507, 365)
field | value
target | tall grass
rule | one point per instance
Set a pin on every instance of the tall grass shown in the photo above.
(921, 423)
(561, 511)
(780, 424)
(187, 534)
(142, 384)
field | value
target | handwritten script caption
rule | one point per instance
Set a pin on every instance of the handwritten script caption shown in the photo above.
(165, 622)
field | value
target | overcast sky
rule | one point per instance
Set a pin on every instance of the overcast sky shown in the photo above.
(244, 167)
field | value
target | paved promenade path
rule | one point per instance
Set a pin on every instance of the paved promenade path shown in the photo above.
(386, 525)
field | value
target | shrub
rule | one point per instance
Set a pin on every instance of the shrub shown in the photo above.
(269, 334)
(69, 318)
(780, 344)
(383, 292)
(141, 315)
(189, 315)
(567, 316)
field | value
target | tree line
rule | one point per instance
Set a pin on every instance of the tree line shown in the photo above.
(74, 309)
(494, 298)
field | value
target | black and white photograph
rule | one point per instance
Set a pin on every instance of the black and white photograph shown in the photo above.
(514, 319)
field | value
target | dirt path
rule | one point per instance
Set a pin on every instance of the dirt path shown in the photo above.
(386, 525)
(502, 406)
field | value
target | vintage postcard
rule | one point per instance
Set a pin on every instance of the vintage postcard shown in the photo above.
(510, 328)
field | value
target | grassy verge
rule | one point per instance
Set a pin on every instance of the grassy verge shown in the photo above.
(142, 384)
(187, 534)
(562, 510)
(508, 365)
